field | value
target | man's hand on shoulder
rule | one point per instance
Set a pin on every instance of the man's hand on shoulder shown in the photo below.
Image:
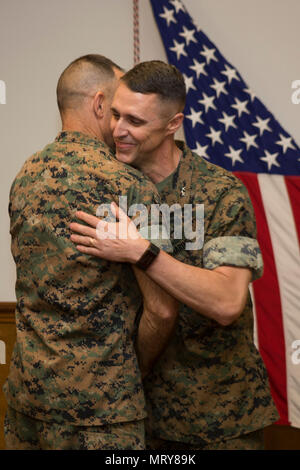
(117, 241)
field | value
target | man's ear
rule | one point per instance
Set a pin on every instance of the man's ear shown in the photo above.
(98, 104)
(175, 123)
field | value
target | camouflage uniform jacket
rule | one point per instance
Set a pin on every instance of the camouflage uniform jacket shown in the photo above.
(211, 383)
(73, 360)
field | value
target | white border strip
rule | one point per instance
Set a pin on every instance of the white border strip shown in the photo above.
(255, 334)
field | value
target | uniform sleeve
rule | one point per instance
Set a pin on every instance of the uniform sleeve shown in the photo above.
(231, 235)
(143, 201)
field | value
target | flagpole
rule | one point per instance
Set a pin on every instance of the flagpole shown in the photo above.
(136, 33)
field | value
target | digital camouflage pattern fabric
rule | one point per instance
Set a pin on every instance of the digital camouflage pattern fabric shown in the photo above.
(210, 384)
(25, 433)
(250, 441)
(73, 360)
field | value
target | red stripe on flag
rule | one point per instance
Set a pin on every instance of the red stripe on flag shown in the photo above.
(268, 305)
(293, 189)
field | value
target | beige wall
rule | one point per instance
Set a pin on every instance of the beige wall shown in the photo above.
(38, 38)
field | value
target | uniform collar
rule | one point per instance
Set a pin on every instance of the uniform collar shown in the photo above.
(78, 137)
(184, 174)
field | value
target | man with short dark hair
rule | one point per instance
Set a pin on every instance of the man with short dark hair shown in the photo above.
(74, 380)
(209, 389)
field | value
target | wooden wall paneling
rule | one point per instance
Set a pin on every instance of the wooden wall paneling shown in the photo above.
(7, 338)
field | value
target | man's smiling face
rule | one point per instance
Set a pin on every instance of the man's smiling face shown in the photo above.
(139, 125)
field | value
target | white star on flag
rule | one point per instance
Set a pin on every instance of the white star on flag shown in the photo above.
(270, 159)
(195, 117)
(230, 73)
(198, 67)
(241, 106)
(214, 136)
(286, 143)
(219, 87)
(177, 5)
(227, 121)
(234, 155)
(250, 92)
(207, 101)
(189, 83)
(168, 15)
(188, 35)
(209, 54)
(262, 125)
(178, 48)
(249, 140)
(201, 150)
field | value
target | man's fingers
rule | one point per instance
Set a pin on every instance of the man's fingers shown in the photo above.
(88, 251)
(106, 230)
(88, 218)
(86, 241)
(83, 229)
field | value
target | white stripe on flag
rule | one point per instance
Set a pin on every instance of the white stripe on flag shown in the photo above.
(287, 258)
(255, 335)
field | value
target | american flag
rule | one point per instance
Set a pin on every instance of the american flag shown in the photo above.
(229, 126)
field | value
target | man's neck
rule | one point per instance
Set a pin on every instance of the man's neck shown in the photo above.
(76, 125)
(161, 163)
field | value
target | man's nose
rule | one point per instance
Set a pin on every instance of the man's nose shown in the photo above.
(119, 128)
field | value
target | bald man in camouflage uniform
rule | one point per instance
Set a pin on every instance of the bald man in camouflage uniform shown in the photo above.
(209, 389)
(74, 381)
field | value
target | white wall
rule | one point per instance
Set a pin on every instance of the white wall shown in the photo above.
(38, 38)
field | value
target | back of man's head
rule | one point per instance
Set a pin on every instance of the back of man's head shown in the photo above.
(82, 78)
(159, 78)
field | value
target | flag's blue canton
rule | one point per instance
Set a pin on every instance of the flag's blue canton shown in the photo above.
(225, 122)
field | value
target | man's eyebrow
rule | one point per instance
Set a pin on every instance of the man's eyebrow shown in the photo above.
(130, 116)
(113, 109)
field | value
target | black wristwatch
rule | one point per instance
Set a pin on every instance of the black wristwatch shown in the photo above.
(148, 257)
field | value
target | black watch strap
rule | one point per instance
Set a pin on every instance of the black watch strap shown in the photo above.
(148, 257)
